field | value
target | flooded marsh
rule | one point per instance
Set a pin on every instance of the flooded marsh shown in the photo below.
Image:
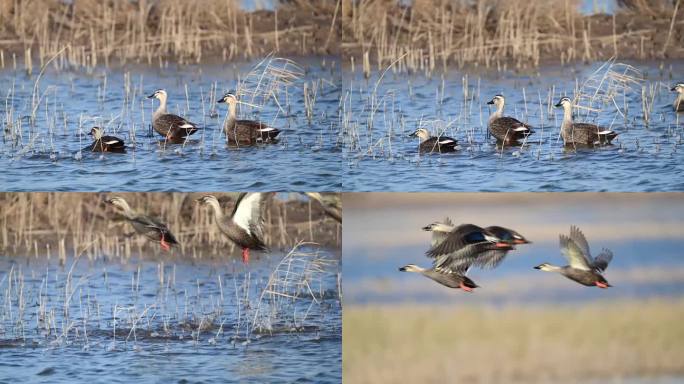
(632, 99)
(46, 119)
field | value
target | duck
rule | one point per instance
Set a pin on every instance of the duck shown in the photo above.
(148, 226)
(507, 130)
(678, 104)
(582, 134)
(583, 268)
(488, 259)
(430, 144)
(451, 279)
(105, 143)
(453, 254)
(173, 127)
(245, 132)
(244, 226)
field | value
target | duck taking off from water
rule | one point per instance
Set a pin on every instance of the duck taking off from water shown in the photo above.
(582, 134)
(147, 226)
(678, 104)
(507, 130)
(430, 144)
(487, 259)
(245, 132)
(582, 268)
(105, 143)
(244, 226)
(173, 127)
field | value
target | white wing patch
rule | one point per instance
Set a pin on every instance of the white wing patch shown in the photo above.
(267, 129)
(520, 129)
(110, 142)
(446, 142)
(605, 132)
(243, 214)
(187, 125)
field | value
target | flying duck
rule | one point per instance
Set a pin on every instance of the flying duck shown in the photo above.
(507, 130)
(582, 134)
(582, 268)
(147, 226)
(678, 104)
(454, 253)
(489, 258)
(173, 127)
(244, 226)
(453, 279)
(430, 144)
(105, 143)
(245, 132)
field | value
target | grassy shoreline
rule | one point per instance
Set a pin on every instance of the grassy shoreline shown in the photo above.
(88, 33)
(423, 343)
(430, 36)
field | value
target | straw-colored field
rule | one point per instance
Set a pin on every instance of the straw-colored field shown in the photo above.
(429, 344)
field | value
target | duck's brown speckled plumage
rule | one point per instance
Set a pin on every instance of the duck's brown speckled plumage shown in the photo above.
(245, 132)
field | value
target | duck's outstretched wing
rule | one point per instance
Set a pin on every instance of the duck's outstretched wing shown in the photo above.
(602, 260)
(153, 229)
(577, 236)
(248, 214)
(460, 237)
(574, 254)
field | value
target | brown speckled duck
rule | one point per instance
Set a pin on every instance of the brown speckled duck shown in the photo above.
(582, 267)
(173, 127)
(105, 143)
(582, 134)
(245, 132)
(507, 130)
(147, 226)
(244, 226)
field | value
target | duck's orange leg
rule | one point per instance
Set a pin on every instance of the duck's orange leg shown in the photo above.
(165, 246)
(467, 289)
(245, 255)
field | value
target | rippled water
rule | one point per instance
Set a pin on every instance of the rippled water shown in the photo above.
(97, 338)
(645, 157)
(48, 156)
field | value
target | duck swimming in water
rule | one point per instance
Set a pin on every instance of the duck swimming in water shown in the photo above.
(245, 132)
(507, 130)
(105, 143)
(432, 144)
(582, 268)
(582, 134)
(147, 226)
(173, 127)
(244, 226)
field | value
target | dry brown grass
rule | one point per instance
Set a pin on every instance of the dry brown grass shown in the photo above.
(94, 32)
(54, 224)
(426, 344)
(495, 33)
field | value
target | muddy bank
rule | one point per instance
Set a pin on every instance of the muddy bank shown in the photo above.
(435, 35)
(90, 32)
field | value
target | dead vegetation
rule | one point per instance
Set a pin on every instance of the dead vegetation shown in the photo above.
(91, 32)
(428, 35)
